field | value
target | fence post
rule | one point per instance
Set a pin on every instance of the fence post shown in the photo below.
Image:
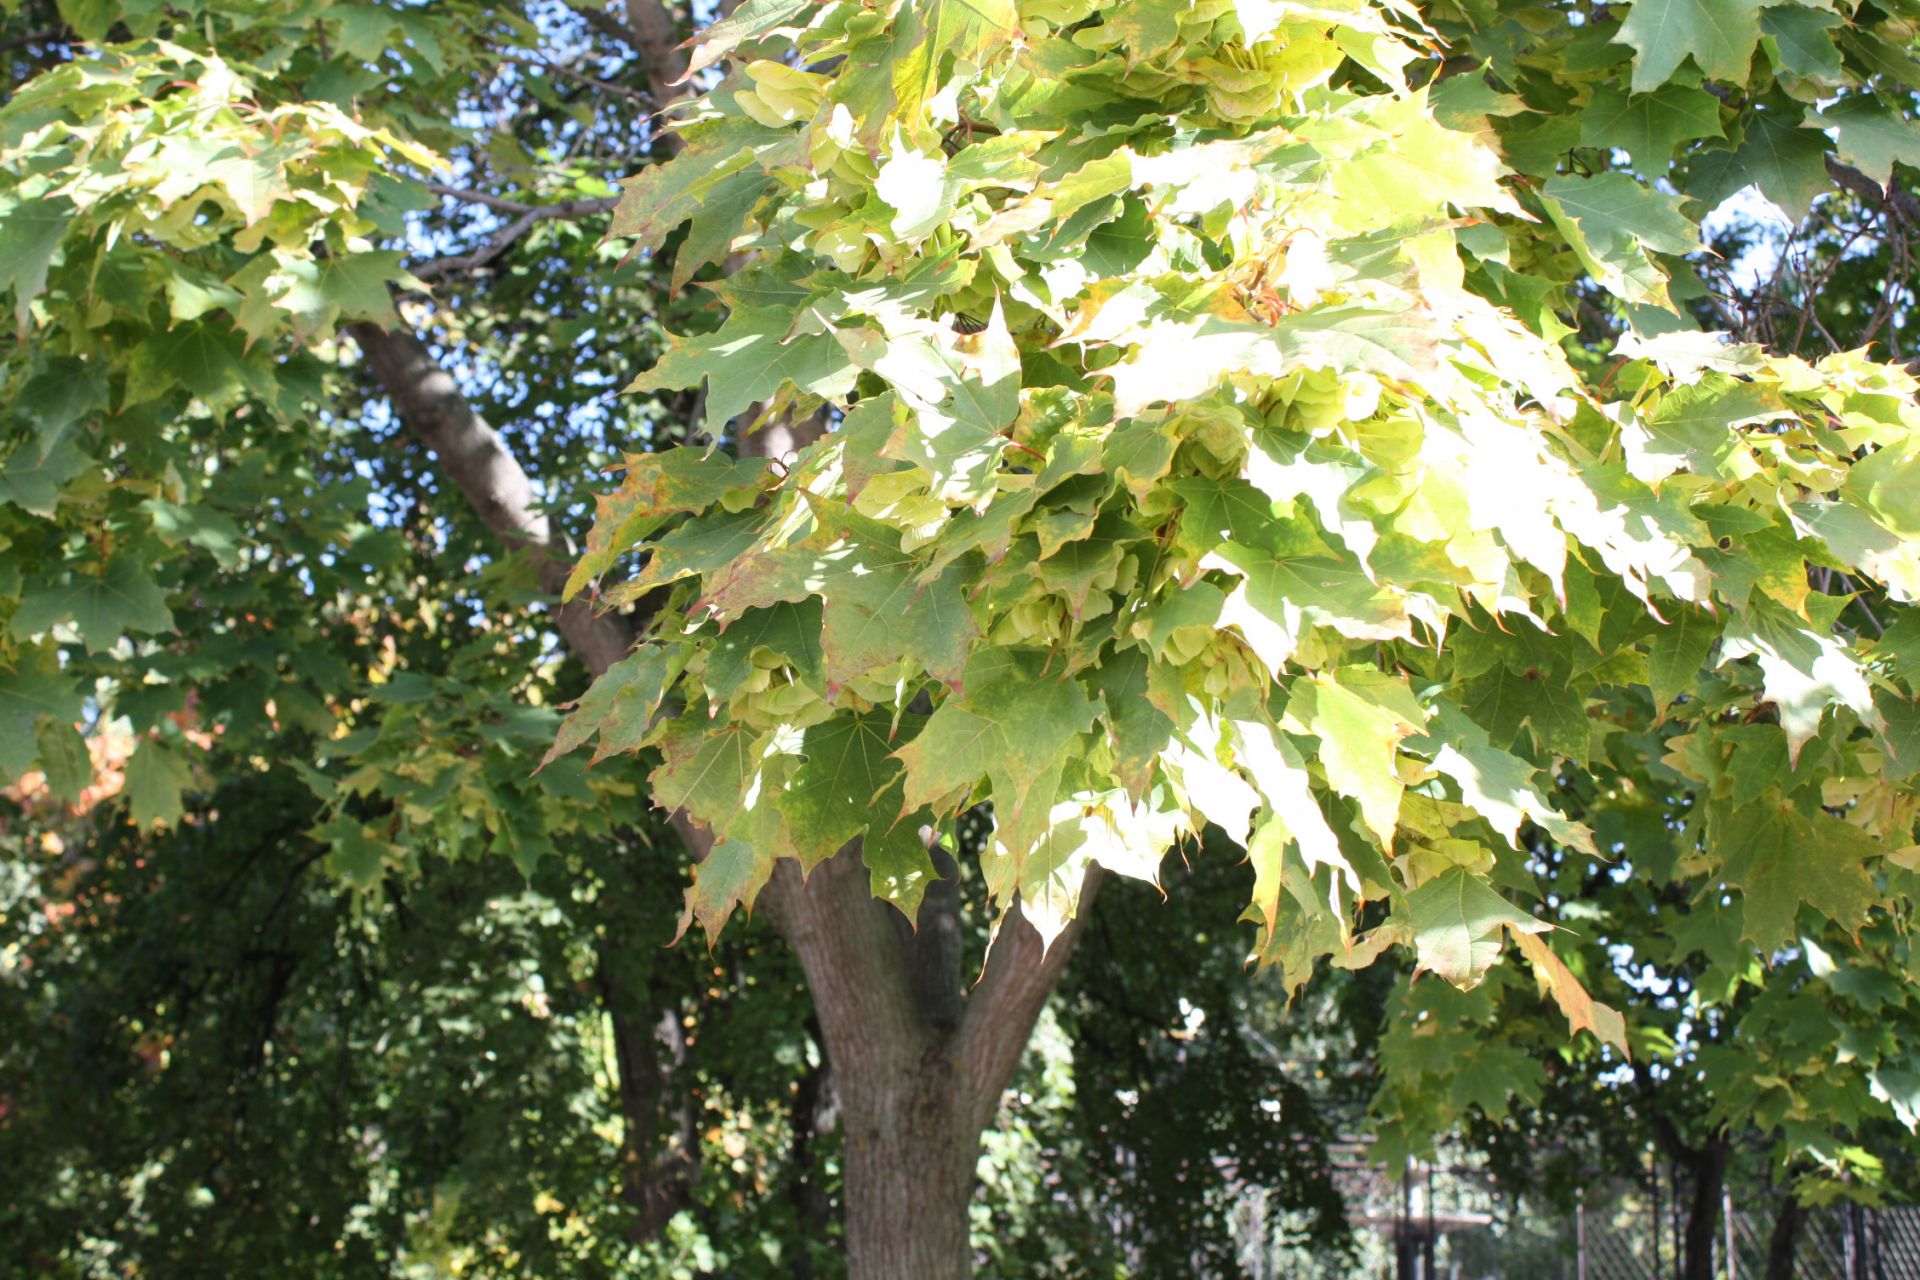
(1580, 1234)
(1726, 1217)
(1653, 1178)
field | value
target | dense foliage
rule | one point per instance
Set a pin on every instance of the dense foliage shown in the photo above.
(1203, 462)
(1314, 427)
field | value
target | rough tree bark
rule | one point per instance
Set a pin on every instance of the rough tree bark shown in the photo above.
(919, 1061)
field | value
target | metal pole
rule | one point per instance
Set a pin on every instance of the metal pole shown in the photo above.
(1405, 1233)
(1580, 1235)
(1653, 1175)
(1726, 1216)
(1427, 1272)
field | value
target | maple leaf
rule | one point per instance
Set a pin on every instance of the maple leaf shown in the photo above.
(1361, 716)
(1457, 924)
(1013, 727)
(749, 358)
(1719, 35)
(1781, 861)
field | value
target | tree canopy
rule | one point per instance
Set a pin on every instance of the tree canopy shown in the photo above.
(1045, 432)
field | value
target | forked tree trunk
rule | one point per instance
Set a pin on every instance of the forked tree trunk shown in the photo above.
(920, 1061)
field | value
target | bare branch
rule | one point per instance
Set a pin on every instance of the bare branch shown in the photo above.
(503, 239)
(1006, 1002)
(467, 195)
(555, 68)
(650, 31)
(429, 403)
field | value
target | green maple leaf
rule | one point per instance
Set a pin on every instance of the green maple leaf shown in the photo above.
(1360, 715)
(1695, 427)
(880, 612)
(1294, 814)
(786, 630)
(355, 852)
(705, 544)
(1803, 671)
(748, 359)
(928, 38)
(124, 598)
(30, 235)
(748, 21)
(1456, 921)
(656, 486)
(320, 293)
(1649, 127)
(1719, 35)
(199, 526)
(1525, 689)
(1137, 729)
(706, 771)
(1870, 135)
(723, 213)
(155, 777)
(1788, 164)
(898, 864)
(63, 394)
(1496, 784)
(207, 360)
(832, 797)
(1677, 654)
(1611, 222)
(1090, 564)
(619, 706)
(33, 479)
(1900, 1090)
(64, 759)
(730, 876)
(1293, 593)
(1224, 509)
(1781, 860)
(662, 196)
(26, 695)
(1014, 726)
(1800, 42)
(880, 605)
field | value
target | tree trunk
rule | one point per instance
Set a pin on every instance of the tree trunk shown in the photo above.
(910, 1156)
(920, 1064)
(919, 1061)
(1709, 1169)
(1785, 1241)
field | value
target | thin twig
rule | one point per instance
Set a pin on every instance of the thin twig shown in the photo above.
(471, 196)
(554, 68)
(505, 237)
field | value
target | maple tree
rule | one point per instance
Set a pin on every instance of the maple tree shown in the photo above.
(1293, 419)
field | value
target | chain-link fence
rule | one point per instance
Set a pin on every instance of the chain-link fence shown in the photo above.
(1455, 1223)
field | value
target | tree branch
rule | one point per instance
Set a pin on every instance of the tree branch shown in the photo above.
(1007, 1001)
(556, 69)
(502, 239)
(427, 401)
(650, 31)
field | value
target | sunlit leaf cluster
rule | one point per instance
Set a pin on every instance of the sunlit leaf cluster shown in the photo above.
(1203, 449)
